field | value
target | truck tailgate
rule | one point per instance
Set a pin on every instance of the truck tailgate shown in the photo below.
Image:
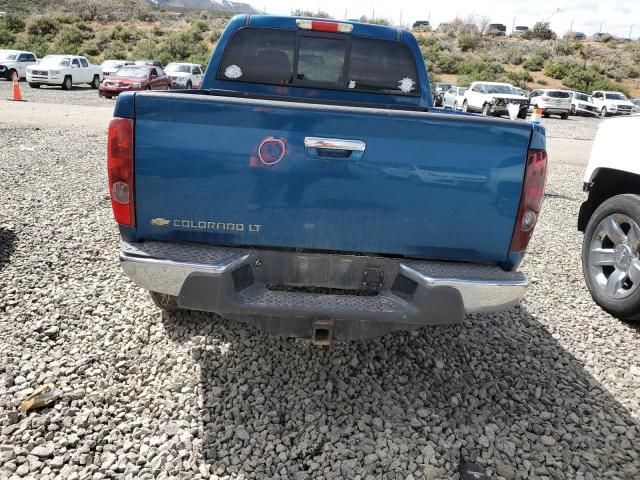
(230, 171)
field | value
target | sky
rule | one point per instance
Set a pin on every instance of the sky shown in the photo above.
(616, 16)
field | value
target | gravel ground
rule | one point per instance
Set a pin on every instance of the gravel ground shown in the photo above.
(79, 95)
(575, 128)
(550, 390)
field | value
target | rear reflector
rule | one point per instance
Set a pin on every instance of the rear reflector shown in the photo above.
(324, 26)
(535, 177)
(120, 170)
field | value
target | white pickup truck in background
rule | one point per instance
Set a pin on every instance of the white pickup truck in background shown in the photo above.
(64, 70)
(16, 62)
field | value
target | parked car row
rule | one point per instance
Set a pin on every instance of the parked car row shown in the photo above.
(492, 98)
(111, 78)
(126, 76)
(134, 78)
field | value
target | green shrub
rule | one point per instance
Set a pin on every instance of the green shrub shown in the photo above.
(126, 35)
(563, 47)
(115, 49)
(215, 35)
(146, 48)
(518, 77)
(631, 71)
(444, 63)
(467, 42)
(514, 56)
(298, 12)
(7, 38)
(181, 46)
(157, 31)
(481, 69)
(86, 28)
(66, 18)
(463, 80)
(589, 79)
(44, 27)
(38, 45)
(540, 31)
(534, 63)
(69, 40)
(543, 53)
(90, 49)
(13, 23)
(374, 21)
(200, 26)
(543, 82)
(427, 41)
(558, 70)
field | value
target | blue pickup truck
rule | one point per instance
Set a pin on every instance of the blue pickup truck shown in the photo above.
(311, 189)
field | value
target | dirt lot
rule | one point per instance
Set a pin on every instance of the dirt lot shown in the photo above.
(550, 390)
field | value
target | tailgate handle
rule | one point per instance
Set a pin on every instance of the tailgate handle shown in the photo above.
(334, 148)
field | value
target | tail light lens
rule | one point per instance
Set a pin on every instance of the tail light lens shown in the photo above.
(535, 177)
(120, 170)
(324, 26)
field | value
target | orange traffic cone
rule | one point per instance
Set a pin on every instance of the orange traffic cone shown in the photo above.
(17, 96)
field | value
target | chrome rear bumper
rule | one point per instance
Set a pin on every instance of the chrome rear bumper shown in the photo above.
(260, 286)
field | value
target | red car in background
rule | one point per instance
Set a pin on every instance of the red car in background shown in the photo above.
(133, 78)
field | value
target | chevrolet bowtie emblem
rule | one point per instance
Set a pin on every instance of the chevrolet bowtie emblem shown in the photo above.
(161, 222)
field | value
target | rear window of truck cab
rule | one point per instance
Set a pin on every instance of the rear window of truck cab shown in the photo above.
(319, 60)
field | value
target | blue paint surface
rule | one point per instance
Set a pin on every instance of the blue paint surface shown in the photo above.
(428, 185)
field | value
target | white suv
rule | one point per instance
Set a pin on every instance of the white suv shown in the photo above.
(184, 75)
(551, 101)
(492, 98)
(610, 218)
(611, 103)
(15, 62)
(64, 70)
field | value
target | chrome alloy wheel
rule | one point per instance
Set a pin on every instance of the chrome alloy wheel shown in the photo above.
(614, 256)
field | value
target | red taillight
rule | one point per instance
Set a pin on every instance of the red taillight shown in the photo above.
(535, 176)
(324, 26)
(120, 170)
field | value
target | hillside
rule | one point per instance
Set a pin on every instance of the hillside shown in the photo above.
(532, 63)
(138, 29)
(221, 6)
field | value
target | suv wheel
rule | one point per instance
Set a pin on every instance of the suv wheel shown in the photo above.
(564, 115)
(611, 256)
(573, 109)
(603, 112)
(486, 110)
(465, 106)
(189, 85)
(455, 105)
(67, 83)
(95, 83)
